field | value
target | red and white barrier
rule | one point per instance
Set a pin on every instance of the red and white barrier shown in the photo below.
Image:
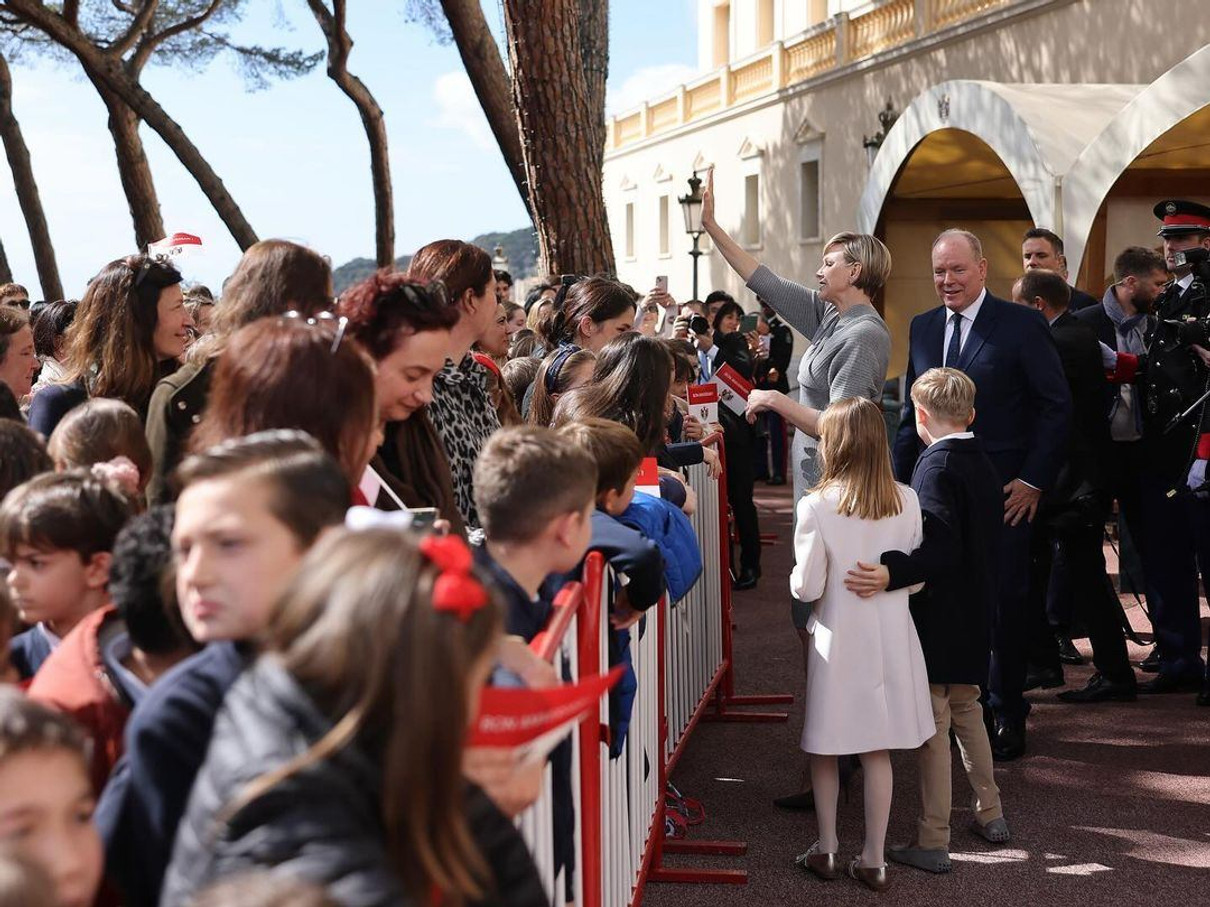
(682, 664)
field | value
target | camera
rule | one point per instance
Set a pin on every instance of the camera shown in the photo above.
(1198, 260)
(699, 325)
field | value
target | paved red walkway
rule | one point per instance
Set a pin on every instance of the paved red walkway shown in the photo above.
(1111, 806)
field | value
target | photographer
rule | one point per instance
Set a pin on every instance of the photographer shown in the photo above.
(1173, 374)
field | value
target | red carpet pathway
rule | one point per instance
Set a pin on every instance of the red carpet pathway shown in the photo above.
(1110, 806)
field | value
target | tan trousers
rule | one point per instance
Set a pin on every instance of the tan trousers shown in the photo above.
(955, 705)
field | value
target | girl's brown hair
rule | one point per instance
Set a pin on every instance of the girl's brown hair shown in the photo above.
(458, 265)
(357, 629)
(857, 459)
(548, 386)
(27, 726)
(98, 431)
(287, 373)
(274, 276)
(110, 344)
(596, 298)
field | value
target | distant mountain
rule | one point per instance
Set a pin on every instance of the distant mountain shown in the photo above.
(520, 247)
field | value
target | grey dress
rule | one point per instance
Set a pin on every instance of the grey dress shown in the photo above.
(848, 357)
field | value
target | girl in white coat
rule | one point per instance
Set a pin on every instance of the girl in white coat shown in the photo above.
(867, 687)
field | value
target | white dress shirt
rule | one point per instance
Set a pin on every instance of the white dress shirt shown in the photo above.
(968, 315)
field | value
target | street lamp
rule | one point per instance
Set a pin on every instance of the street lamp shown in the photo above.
(691, 205)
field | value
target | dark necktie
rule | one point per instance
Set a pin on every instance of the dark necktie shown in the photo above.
(955, 347)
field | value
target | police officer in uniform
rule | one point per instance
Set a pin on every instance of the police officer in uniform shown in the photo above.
(1174, 376)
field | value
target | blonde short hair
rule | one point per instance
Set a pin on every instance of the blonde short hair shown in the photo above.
(946, 393)
(869, 252)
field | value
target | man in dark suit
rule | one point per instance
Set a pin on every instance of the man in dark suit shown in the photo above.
(1042, 248)
(1022, 408)
(1070, 576)
(771, 373)
(1122, 322)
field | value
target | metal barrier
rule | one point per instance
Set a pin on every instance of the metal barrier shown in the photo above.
(681, 653)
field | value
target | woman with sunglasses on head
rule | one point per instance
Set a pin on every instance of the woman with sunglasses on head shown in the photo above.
(272, 277)
(405, 327)
(130, 330)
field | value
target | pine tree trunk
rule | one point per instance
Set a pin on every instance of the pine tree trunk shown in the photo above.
(133, 169)
(372, 120)
(490, 79)
(27, 192)
(562, 124)
(6, 273)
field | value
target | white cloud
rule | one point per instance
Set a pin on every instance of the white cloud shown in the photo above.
(646, 83)
(458, 108)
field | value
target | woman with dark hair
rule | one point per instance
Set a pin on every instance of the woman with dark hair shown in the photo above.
(588, 312)
(273, 276)
(299, 373)
(130, 330)
(50, 340)
(462, 410)
(405, 326)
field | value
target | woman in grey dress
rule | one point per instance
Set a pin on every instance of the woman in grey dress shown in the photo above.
(848, 357)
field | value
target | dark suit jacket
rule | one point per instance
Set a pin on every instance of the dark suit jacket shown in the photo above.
(1022, 404)
(963, 506)
(1081, 300)
(1088, 444)
(1102, 325)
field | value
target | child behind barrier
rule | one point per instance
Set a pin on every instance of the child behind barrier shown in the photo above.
(536, 493)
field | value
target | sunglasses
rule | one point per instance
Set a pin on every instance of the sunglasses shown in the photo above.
(326, 319)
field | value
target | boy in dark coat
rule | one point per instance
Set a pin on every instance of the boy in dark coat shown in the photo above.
(963, 505)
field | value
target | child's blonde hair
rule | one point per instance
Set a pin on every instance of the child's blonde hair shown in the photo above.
(947, 394)
(857, 459)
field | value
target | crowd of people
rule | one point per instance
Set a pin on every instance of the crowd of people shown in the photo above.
(264, 551)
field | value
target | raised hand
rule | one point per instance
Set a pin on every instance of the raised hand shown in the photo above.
(708, 200)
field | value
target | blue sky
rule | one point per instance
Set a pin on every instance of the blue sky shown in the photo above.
(294, 156)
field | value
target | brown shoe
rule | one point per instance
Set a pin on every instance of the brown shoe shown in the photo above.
(872, 877)
(819, 864)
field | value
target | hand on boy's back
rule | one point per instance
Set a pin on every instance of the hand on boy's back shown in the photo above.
(1021, 502)
(867, 580)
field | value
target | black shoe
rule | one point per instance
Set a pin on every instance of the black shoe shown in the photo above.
(1170, 683)
(1068, 654)
(777, 480)
(747, 579)
(1009, 742)
(1151, 664)
(1203, 698)
(1101, 689)
(1046, 678)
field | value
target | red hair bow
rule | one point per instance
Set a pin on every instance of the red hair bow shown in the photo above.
(456, 589)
